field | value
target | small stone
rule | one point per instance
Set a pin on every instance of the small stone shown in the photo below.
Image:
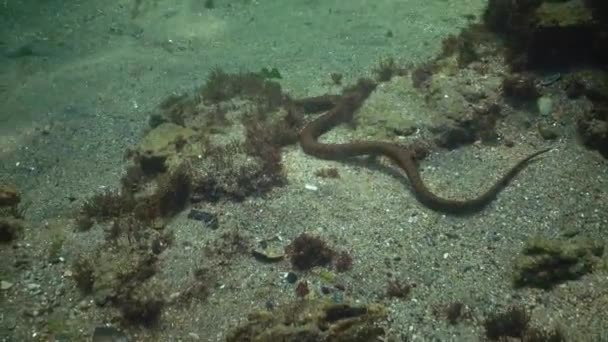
(32, 312)
(291, 277)
(10, 228)
(209, 219)
(32, 286)
(103, 334)
(311, 187)
(9, 196)
(268, 254)
(547, 132)
(46, 130)
(84, 305)
(5, 285)
(545, 105)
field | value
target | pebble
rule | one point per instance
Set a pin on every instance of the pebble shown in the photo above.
(174, 296)
(84, 305)
(545, 105)
(209, 219)
(547, 132)
(550, 79)
(46, 130)
(5, 285)
(311, 187)
(32, 286)
(291, 277)
(108, 334)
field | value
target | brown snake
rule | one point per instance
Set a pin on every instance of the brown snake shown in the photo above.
(343, 108)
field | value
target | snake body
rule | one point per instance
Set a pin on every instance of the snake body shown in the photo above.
(343, 108)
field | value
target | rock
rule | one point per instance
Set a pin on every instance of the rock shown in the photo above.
(313, 321)
(592, 127)
(32, 286)
(9, 196)
(545, 105)
(208, 219)
(269, 250)
(520, 89)
(380, 118)
(568, 32)
(451, 136)
(161, 144)
(268, 254)
(84, 305)
(5, 285)
(564, 14)
(291, 277)
(108, 334)
(10, 229)
(548, 132)
(545, 263)
(549, 34)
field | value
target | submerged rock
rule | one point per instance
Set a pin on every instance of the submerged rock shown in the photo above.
(545, 263)
(161, 146)
(108, 334)
(313, 321)
(9, 196)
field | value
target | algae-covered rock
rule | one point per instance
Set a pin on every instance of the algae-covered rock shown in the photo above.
(545, 263)
(10, 229)
(160, 147)
(545, 34)
(313, 320)
(9, 196)
(563, 14)
(383, 117)
(109, 274)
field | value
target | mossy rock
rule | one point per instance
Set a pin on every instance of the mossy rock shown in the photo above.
(9, 195)
(117, 272)
(10, 229)
(313, 320)
(563, 14)
(382, 117)
(159, 149)
(545, 263)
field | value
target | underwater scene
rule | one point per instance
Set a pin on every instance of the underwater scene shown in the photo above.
(304, 170)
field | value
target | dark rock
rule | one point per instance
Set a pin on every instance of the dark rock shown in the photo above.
(208, 219)
(156, 120)
(547, 132)
(108, 334)
(152, 164)
(520, 88)
(592, 127)
(545, 263)
(10, 229)
(453, 136)
(291, 277)
(550, 34)
(549, 79)
(575, 89)
(9, 196)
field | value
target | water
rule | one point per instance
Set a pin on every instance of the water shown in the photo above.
(171, 168)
